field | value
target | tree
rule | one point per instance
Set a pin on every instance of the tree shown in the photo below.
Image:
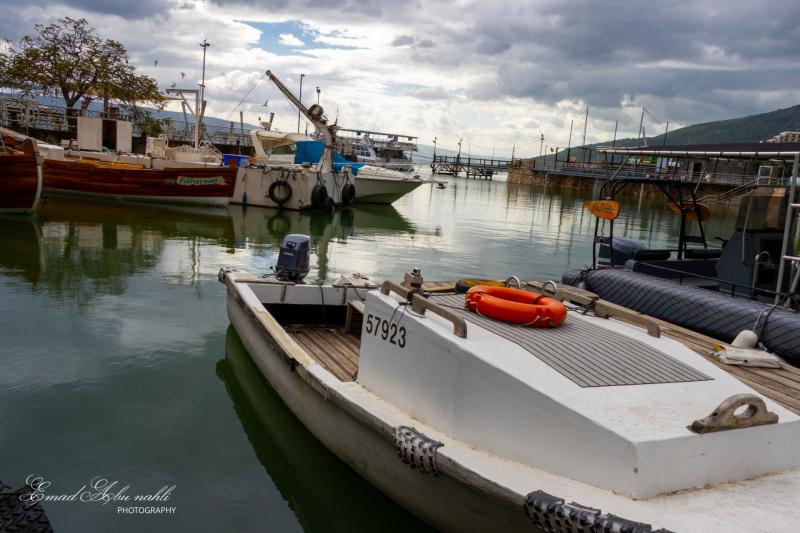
(69, 56)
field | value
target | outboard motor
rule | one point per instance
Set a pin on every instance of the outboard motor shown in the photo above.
(293, 259)
(624, 249)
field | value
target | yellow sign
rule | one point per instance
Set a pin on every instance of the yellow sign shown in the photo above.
(692, 211)
(187, 180)
(607, 209)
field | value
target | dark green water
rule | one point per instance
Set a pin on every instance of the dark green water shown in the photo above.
(116, 358)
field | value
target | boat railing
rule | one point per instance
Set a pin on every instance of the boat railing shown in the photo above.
(735, 290)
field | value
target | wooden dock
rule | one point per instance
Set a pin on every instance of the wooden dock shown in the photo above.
(478, 168)
(781, 385)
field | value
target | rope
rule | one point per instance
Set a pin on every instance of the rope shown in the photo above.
(243, 98)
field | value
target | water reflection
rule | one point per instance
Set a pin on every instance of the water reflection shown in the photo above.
(79, 250)
(260, 230)
(21, 248)
(324, 493)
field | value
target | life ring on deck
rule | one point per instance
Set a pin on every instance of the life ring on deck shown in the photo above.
(516, 306)
(279, 198)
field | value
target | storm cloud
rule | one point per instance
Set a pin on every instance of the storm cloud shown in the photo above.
(505, 71)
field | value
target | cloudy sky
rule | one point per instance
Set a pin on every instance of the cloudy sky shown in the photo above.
(495, 73)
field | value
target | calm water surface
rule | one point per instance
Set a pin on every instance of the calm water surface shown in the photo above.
(117, 360)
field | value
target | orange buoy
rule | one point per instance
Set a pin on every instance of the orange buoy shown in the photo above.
(516, 306)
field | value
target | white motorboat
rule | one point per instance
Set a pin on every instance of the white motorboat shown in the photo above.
(379, 185)
(478, 425)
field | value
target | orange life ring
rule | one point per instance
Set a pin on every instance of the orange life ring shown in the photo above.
(516, 306)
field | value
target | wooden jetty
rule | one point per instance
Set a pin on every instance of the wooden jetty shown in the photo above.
(782, 385)
(478, 168)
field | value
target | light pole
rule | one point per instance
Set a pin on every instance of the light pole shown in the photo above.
(318, 91)
(541, 144)
(201, 105)
(301, 99)
(435, 139)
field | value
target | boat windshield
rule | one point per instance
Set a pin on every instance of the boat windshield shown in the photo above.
(278, 146)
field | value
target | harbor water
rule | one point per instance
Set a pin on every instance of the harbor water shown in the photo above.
(117, 361)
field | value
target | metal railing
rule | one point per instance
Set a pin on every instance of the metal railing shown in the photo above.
(646, 170)
(27, 114)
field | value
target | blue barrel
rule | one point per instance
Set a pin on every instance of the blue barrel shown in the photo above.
(240, 160)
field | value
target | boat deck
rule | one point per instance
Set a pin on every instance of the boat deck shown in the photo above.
(331, 347)
(782, 385)
(337, 350)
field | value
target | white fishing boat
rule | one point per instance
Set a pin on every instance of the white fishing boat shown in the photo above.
(373, 184)
(473, 424)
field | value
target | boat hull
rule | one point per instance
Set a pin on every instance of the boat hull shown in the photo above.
(253, 185)
(20, 183)
(441, 501)
(197, 186)
(383, 191)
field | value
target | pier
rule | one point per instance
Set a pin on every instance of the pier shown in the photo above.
(714, 181)
(478, 168)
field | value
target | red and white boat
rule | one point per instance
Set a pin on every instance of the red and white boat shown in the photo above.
(20, 173)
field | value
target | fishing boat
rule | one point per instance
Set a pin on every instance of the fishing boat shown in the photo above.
(305, 180)
(751, 280)
(476, 424)
(20, 173)
(86, 176)
(373, 184)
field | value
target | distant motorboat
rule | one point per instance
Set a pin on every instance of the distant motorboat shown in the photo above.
(379, 185)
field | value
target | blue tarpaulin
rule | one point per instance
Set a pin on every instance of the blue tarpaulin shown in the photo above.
(311, 152)
(339, 162)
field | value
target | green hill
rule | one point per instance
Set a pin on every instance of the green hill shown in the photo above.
(753, 128)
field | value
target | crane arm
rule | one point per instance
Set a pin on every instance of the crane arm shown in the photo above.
(314, 114)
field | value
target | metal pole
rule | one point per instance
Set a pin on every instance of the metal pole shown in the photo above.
(241, 130)
(585, 122)
(541, 143)
(666, 130)
(198, 118)
(787, 228)
(318, 91)
(301, 99)
(614, 142)
(434, 148)
(569, 143)
(641, 123)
